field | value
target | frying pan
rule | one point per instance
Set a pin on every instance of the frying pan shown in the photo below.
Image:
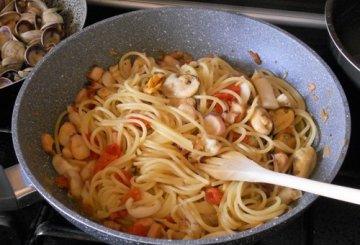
(343, 25)
(57, 79)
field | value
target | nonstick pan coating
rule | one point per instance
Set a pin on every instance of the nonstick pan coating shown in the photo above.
(56, 81)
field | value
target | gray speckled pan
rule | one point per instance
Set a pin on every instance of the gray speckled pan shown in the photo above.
(56, 81)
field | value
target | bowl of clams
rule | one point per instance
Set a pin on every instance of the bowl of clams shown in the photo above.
(29, 29)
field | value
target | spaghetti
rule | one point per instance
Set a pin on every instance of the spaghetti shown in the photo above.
(127, 148)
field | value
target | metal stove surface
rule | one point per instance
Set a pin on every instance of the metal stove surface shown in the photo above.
(327, 221)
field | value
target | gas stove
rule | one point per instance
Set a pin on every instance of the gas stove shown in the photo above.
(326, 221)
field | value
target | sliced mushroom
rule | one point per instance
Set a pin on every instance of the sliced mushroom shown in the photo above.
(304, 161)
(261, 121)
(183, 86)
(265, 91)
(282, 118)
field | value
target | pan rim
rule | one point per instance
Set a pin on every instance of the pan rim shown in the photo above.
(269, 226)
(329, 9)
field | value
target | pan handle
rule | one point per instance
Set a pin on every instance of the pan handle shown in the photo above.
(15, 190)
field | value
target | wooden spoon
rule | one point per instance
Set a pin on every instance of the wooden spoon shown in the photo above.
(240, 168)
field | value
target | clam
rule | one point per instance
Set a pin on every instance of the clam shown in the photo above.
(26, 31)
(24, 73)
(13, 49)
(9, 19)
(5, 35)
(32, 18)
(4, 81)
(20, 6)
(34, 53)
(36, 6)
(7, 6)
(51, 17)
(52, 35)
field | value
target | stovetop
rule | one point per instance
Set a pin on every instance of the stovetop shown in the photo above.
(326, 221)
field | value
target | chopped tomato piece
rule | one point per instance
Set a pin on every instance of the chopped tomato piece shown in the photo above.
(134, 193)
(94, 155)
(218, 108)
(113, 149)
(118, 214)
(213, 195)
(126, 180)
(138, 230)
(246, 139)
(234, 88)
(236, 136)
(110, 153)
(224, 96)
(62, 182)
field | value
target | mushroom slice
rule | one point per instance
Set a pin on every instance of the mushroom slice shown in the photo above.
(282, 118)
(183, 86)
(261, 121)
(34, 53)
(304, 161)
(265, 91)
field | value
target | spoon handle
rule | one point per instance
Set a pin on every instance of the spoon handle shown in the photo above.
(323, 189)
